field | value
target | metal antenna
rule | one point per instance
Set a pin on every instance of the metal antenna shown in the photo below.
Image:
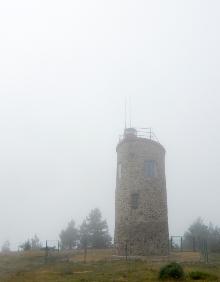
(125, 112)
(130, 110)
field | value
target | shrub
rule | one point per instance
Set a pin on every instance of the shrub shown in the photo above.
(199, 275)
(172, 270)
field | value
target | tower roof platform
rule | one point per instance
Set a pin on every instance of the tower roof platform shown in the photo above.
(140, 134)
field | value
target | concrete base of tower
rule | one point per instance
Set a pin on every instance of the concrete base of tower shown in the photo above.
(143, 240)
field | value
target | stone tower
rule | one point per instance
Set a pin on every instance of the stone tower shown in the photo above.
(141, 220)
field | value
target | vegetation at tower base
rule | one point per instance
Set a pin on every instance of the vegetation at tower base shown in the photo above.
(201, 275)
(172, 270)
(100, 267)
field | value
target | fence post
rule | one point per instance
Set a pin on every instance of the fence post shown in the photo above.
(58, 246)
(126, 250)
(46, 252)
(85, 250)
(194, 244)
(206, 251)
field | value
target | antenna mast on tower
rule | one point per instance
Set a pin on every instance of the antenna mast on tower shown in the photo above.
(125, 112)
(130, 110)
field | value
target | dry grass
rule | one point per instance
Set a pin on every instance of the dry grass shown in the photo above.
(101, 266)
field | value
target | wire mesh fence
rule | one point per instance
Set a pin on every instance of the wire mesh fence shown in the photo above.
(203, 249)
(208, 249)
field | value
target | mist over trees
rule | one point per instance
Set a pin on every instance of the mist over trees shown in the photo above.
(69, 236)
(31, 244)
(199, 231)
(92, 233)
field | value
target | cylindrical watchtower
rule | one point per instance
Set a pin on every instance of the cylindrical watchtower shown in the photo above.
(141, 220)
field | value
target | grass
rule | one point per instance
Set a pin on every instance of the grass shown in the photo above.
(101, 266)
(201, 275)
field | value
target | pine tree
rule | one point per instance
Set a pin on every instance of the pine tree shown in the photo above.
(69, 236)
(94, 231)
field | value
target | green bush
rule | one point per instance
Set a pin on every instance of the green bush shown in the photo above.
(199, 275)
(172, 270)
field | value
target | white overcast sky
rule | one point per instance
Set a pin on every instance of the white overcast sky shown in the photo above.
(65, 69)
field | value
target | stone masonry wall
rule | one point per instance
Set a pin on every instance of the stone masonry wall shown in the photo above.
(143, 230)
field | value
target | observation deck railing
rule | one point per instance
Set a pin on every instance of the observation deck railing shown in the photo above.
(145, 133)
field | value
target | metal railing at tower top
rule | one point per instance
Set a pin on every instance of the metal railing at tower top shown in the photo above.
(145, 133)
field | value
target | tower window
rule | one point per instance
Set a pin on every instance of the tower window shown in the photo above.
(134, 200)
(119, 171)
(150, 168)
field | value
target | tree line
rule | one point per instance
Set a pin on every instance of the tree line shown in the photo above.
(200, 232)
(92, 233)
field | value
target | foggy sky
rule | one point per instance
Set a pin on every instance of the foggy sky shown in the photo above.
(65, 69)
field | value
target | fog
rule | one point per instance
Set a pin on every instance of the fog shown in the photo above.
(65, 70)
